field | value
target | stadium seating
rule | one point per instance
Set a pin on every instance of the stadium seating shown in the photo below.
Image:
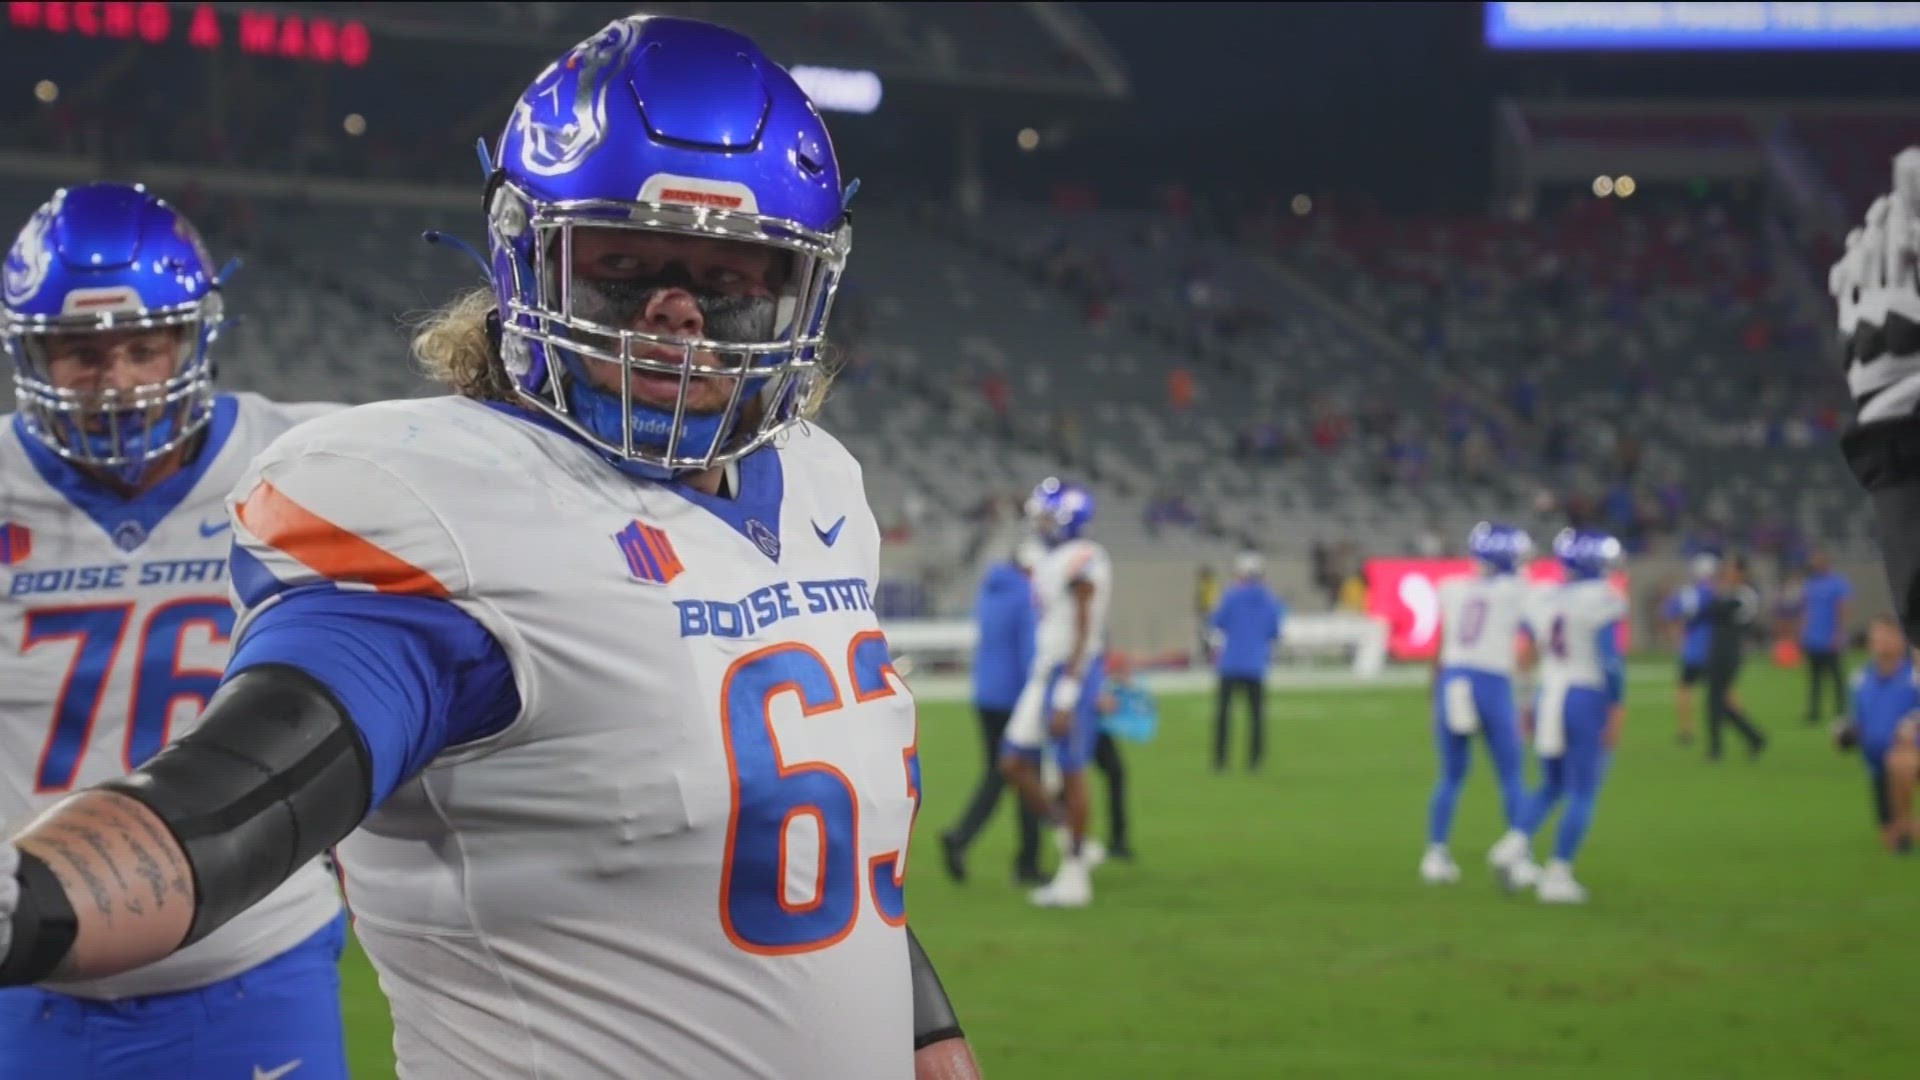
(1372, 378)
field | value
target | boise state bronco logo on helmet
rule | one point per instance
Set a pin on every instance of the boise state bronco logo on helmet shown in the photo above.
(31, 257)
(563, 117)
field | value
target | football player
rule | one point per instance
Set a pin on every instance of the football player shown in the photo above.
(1580, 709)
(114, 626)
(584, 656)
(1058, 709)
(1686, 609)
(1482, 616)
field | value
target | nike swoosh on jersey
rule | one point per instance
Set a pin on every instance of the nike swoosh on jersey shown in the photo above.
(211, 529)
(275, 1074)
(828, 536)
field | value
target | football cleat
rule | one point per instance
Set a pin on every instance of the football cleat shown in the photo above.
(1558, 887)
(1071, 887)
(1438, 868)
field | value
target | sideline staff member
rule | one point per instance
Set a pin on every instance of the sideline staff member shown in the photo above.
(1246, 625)
(1730, 616)
(1006, 618)
(1886, 728)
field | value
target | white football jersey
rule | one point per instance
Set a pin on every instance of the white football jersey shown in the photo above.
(686, 856)
(1566, 622)
(1480, 614)
(1053, 578)
(114, 631)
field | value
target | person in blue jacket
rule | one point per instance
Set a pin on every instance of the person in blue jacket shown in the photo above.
(1686, 608)
(1245, 625)
(1004, 612)
(1884, 725)
(1823, 631)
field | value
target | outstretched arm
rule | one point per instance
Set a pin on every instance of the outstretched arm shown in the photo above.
(940, 1050)
(332, 700)
(123, 874)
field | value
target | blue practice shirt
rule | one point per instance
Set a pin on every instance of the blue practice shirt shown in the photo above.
(1250, 616)
(1688, 604)
(1880, 702)
(1823, 597)
(1005, 615)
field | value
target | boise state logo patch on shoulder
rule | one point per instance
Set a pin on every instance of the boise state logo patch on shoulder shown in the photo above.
(16, 543)
(649, 554)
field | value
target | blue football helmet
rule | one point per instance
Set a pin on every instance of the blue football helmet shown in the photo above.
(666, 213)
(110, 259)
(1586, 553)
(1060, 511)
(1502, 548)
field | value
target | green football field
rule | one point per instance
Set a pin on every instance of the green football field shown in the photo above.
(1744, 920)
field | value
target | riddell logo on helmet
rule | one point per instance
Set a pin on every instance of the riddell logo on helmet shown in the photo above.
(695, 191)
(702, 198)
(115, 298)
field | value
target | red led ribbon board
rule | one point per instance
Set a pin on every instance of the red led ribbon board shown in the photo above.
(315, 39)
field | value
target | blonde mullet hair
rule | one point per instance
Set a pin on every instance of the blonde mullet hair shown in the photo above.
(453, 347)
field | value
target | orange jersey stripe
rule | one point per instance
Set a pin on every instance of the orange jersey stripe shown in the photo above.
(328, 549)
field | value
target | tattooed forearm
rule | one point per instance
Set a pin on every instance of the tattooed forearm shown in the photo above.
(77, 862)
(181, 881)
(128, 881)
(142, 847)
(145, 865)
(97, 840)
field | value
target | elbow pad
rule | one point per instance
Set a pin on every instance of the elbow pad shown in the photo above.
(275, 774)
(933, 1018)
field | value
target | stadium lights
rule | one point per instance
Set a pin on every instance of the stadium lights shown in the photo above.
(354, 125)
(1624, 186)
(1302, 205)
(46, 91)
(1603, 186)
(838, 89)
(1028, 138)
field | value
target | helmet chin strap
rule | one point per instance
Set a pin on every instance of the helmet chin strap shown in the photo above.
(599, 412)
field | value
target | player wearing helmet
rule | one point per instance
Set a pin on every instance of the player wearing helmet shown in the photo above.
(1058, 709)
(1581, 706)
(1481, 617)
(113, 532)
(583, 657)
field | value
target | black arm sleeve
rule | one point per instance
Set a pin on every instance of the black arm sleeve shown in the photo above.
(933, 1018)
(1885, 457)
(275, 774)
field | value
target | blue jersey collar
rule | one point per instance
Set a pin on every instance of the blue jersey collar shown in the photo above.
(129, 520)
(753, 511)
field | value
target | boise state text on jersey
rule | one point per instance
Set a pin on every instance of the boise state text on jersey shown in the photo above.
(763, 776)
(107, 654)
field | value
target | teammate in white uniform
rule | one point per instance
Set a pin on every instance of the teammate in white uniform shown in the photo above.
(590, 648)
(114, 627)
(1481, 617)
(1058, 707)
(1579, 713)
